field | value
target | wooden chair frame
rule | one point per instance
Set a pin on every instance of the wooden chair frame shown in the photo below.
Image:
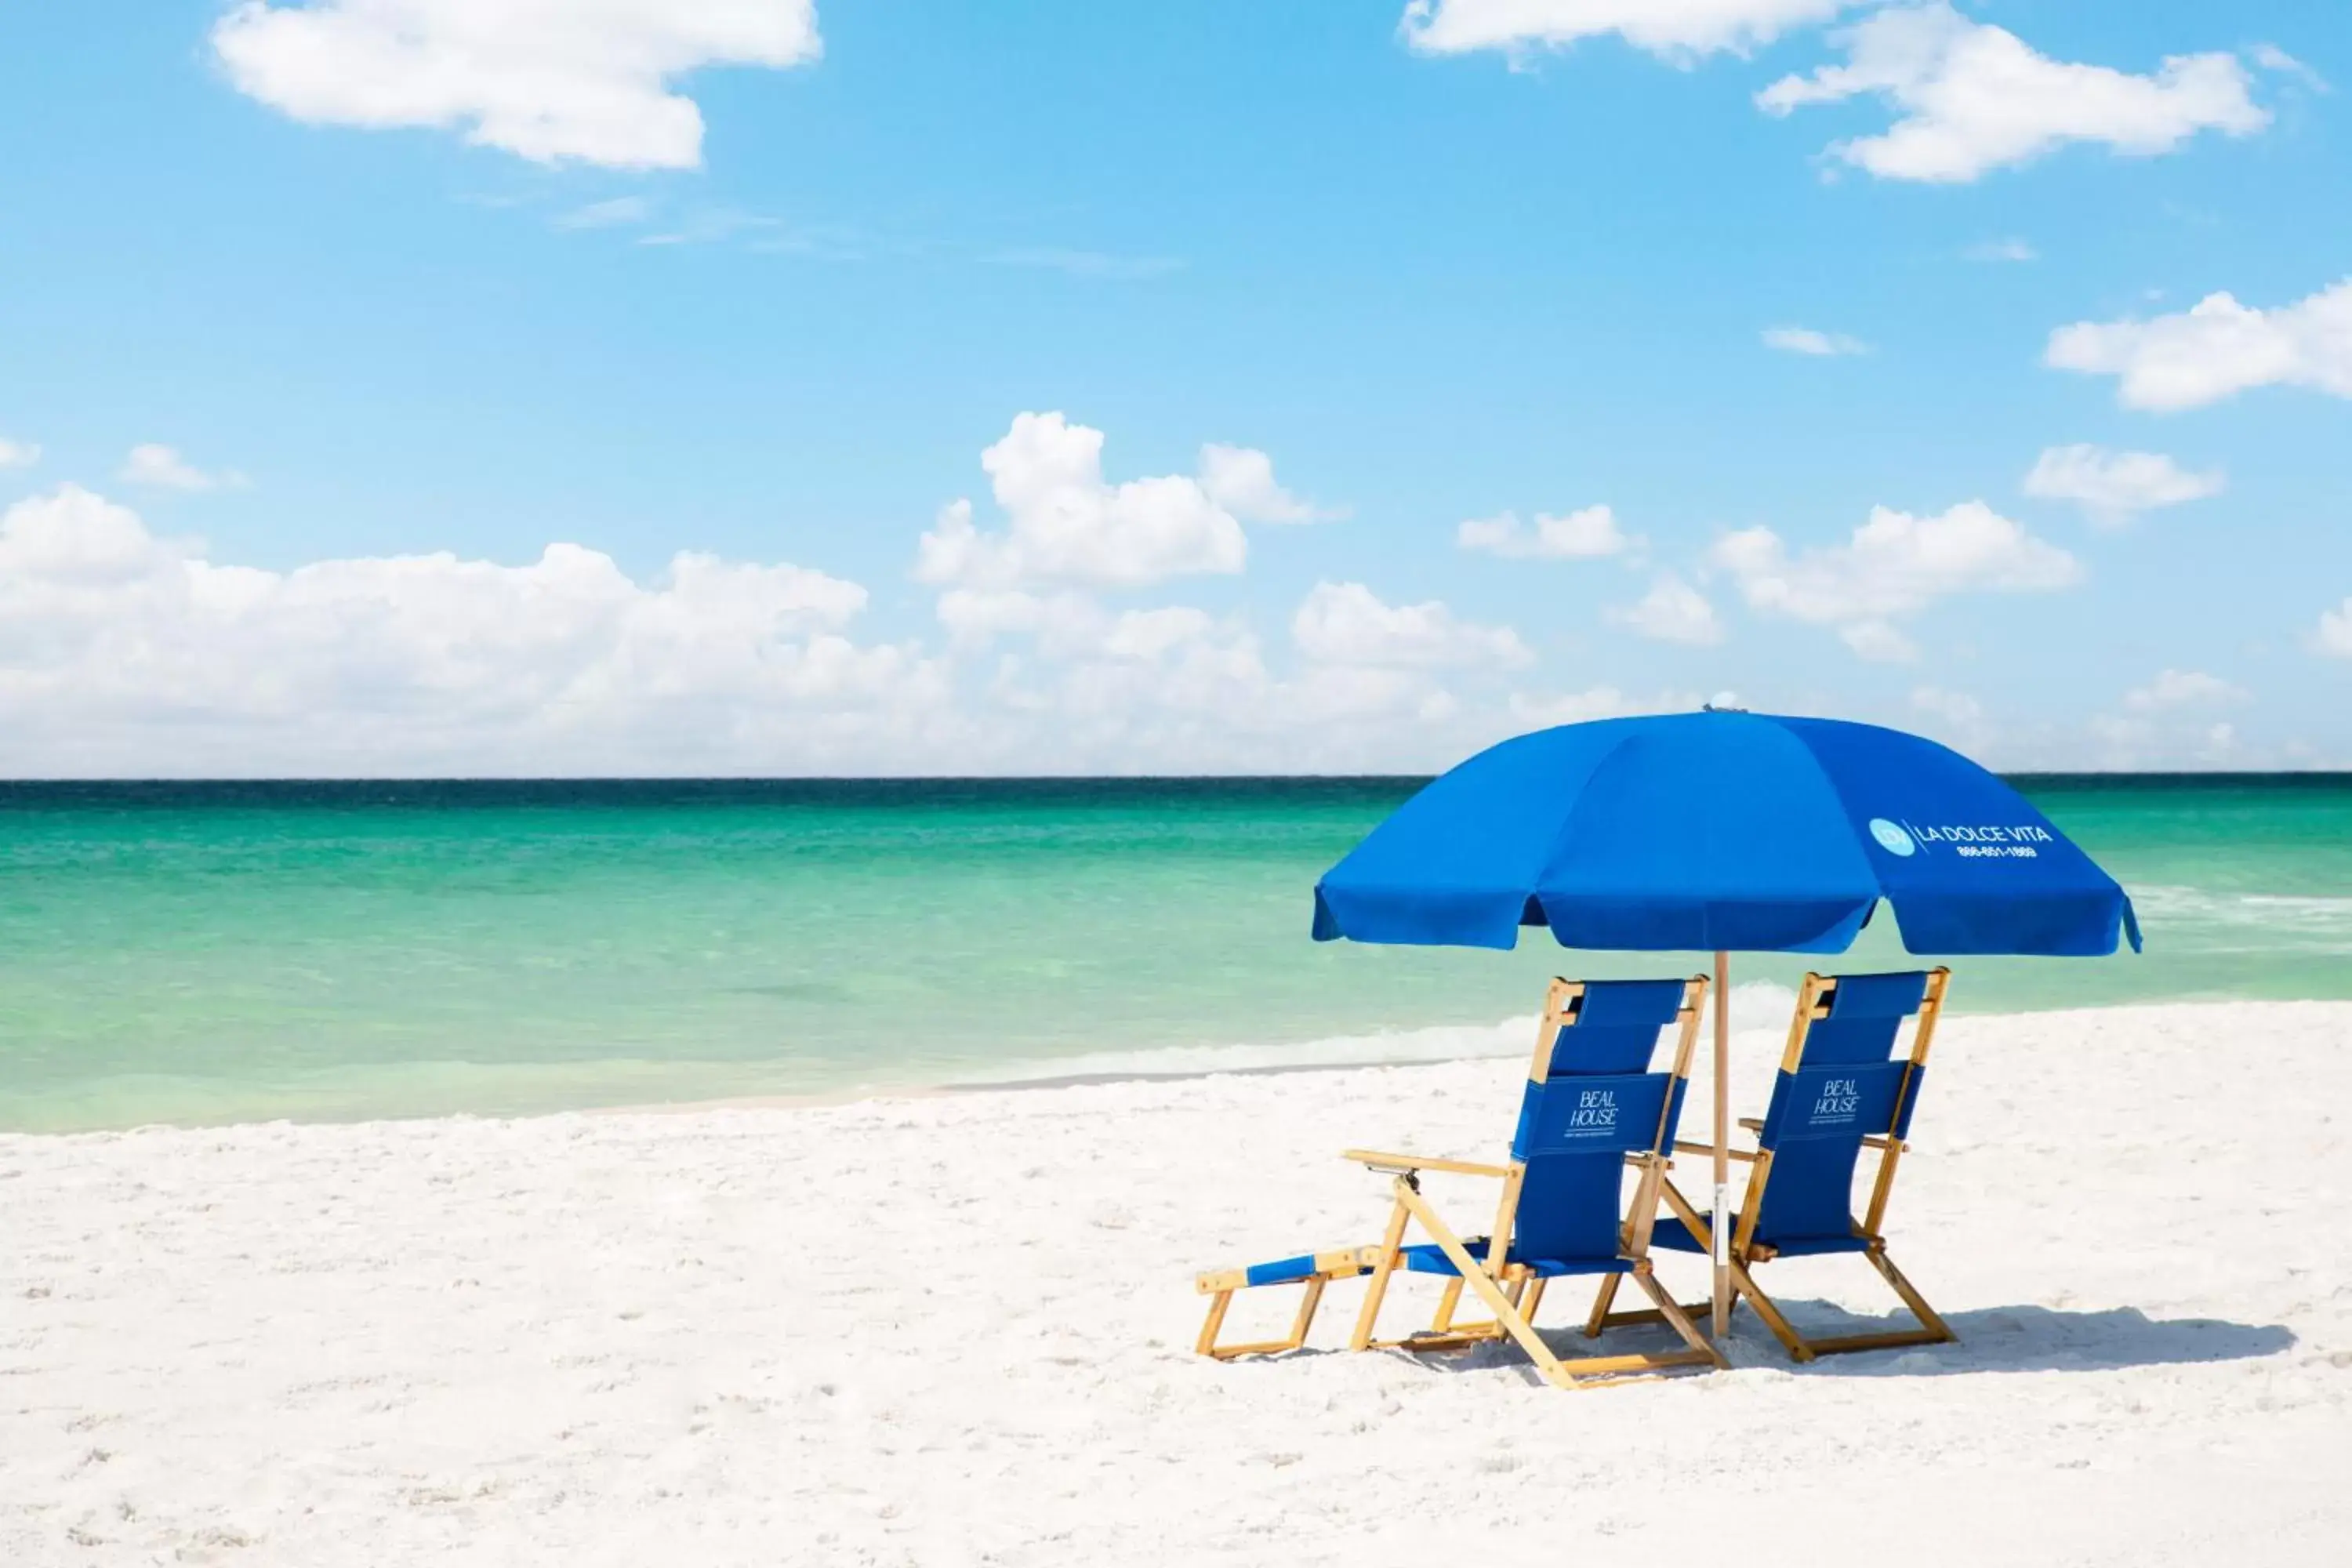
(1510, 1291)
(1812, 1005)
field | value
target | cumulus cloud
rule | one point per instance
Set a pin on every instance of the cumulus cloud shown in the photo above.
(18, 454)
(1069, 625)
(1972, 97)
(1878, 642)
(1956, 708)
(1954, 717)
(160, 467)
(1676, 30)
(2181, 688)
(1895, 566)
(1585, 533)
(123, 651)
(2334, 635)
(1347, 623)
(1177, 689)
(548, 82)
(1528, 712)
(2216, 350)
(1806, 341)
(1671, 611)
(1241, 480)
(1066, 524)
(2112, 487)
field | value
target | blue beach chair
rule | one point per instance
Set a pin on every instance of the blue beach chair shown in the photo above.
(1592, 1108)
(1841, 1089)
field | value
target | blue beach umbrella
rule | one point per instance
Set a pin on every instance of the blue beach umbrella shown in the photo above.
(1722, 831)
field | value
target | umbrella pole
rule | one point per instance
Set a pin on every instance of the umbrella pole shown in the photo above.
(1721, 1228)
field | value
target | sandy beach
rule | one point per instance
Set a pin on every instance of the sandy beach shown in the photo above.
(958, 1329)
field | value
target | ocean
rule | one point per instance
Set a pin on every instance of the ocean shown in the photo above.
(207, 952)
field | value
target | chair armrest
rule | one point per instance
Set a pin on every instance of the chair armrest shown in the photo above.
(1751, 1124)
(1685, 1148)
(1404, 1164)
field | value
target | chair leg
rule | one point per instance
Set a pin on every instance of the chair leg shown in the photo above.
(1533, 1300)
(1444, 1321)
(1207, 1343)
(1505, 1310)
(1601, 1301)
(1927, 1315)
(1767, 1308)
(1932, 1329)
(1676, 1318)
(1391, 1242)
(1306, 1318)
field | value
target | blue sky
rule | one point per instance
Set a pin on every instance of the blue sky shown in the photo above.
(321, 325)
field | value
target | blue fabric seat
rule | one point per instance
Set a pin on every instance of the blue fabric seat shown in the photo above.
(1675, 1237)
(1428, 1258)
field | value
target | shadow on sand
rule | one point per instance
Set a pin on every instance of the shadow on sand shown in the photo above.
(2024, 1338)
(1991, 1340)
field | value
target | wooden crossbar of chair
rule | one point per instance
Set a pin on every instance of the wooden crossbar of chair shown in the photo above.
(1812, 1005)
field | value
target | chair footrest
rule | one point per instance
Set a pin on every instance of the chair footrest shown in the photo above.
(1343, 1264)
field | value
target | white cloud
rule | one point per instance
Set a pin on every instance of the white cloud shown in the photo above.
(2271, 57)
(18, 454)
(2334, 635)
(1956, 708)
(1806, 341)
(2113, 486)
(1954, 717)
(614, 213)
(158, 466)
(1067, 525)
(1878, 642)
(1895, 566)
(1578, 708)
(1066, 625)
(2216, 350)
(1346, 623)
(1241, 480)
(1674, 28)
(1585, 533)
(1671, 611)
(1178, 689)
(2181, 688)
(123, 652)
(2010, 249)
(547, 81)
(1974, 97)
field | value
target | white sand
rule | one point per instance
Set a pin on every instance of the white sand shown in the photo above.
(959, 1329)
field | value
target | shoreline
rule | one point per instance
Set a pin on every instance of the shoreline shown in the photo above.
(1504, 1039)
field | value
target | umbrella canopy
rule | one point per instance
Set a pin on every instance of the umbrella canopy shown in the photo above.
(1723, 830)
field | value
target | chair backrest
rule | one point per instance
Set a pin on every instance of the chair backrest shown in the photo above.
(1840, 1082)
(1592, 1099)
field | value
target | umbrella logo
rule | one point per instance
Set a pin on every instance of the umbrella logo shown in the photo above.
(1891, 837)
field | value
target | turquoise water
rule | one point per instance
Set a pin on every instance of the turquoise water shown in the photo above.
(197, 953)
